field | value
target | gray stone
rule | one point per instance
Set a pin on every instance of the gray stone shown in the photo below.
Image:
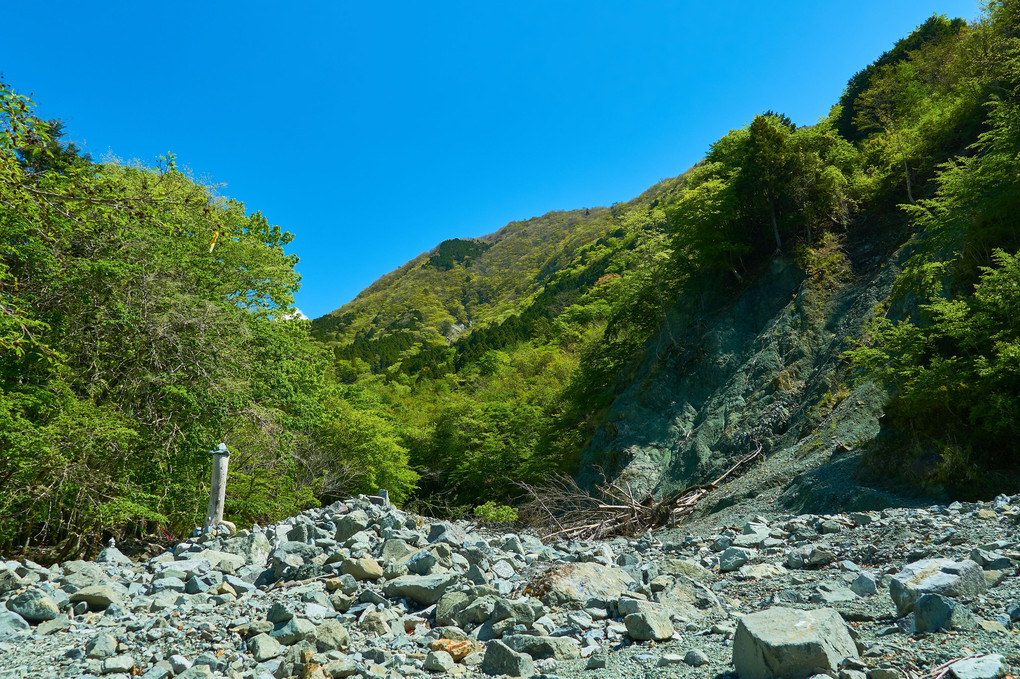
(224, 562)
(157, 671)
(112, 555)
(197, 672)
(34, 606)
(102, 646)
(264, 647)
(559, 648)
(438, 661)
(57, 624)
(293, 631)
(395, 548)
(696, 658)
(936, 613)
(118, 663)
(96, 597)
(935, 576)
(650, 625)
(421, 563)
(986, 667)
(331, 636)
(732, 558)
(573, 584)
(790, 643)
(809, 556)
(170, 584)
(350, 525)
(178, 663)
(279, 612)
(9, 580)
(343, 667)
(11, 623)
(864, 584)
(501, 659)
(598, 659)
(422, 589)
(447, 532)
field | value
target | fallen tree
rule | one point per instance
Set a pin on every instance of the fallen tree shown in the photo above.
(561, 509)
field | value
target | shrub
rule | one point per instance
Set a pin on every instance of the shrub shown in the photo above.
(491, 512)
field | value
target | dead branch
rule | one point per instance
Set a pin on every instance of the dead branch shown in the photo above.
(563, 510)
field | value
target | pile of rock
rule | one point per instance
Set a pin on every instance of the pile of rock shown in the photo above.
(358, 589)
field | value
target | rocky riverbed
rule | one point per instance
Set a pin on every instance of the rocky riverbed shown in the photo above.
(358, 589)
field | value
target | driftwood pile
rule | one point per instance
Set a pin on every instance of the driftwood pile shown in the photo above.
(563, 510)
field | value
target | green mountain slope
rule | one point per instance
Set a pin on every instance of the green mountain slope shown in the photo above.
(664, 337)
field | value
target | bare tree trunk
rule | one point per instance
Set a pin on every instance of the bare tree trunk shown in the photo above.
(775, 225)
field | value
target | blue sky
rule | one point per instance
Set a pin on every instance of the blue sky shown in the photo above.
(375, 130)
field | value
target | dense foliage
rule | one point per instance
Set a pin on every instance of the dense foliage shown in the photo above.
(142, 321)
(952, 356)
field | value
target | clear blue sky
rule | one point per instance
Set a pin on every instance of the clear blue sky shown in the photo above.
(375, 130)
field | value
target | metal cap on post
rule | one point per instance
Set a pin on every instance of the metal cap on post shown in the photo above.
(218, 488)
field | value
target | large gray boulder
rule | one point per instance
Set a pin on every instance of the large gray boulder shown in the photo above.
(649, 625)
(422, 589)
(560, 648)
(97, 597)
(573, 584)
(936, 613)
(790, 643)
(11, 623)
(34, 605)
(935, 576)
(501, 659)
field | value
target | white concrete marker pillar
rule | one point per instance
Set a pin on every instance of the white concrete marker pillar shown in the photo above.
(218, 489)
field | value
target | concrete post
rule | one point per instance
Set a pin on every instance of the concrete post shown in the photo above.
(218, 489)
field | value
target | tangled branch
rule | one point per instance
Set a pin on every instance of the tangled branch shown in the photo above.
(564, 510)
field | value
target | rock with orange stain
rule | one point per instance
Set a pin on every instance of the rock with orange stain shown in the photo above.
(458, 650)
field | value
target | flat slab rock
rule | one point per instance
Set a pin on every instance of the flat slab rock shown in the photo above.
(790, 643)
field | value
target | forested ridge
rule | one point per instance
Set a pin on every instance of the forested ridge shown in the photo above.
(144, 318)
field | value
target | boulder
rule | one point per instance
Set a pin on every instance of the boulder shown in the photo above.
(649, 625)
(350, 525)
(365, 568)
(790, 643)
(264, 647)
(935, 576)
(501, 659)
(438, 661)
(424, 590)
(96, 597)
(11, 623)
(447, 532)
(986, 667)
(34, 605)
(573, 584)
(936, 613)
(733, 558)
(559, 648)
(224, 562)
(331, 636)
(112, 555)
